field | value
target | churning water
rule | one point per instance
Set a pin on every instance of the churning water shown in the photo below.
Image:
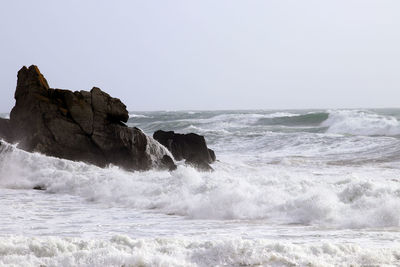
(290, 188)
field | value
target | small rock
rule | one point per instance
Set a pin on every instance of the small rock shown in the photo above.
(191, 147)
(39, 187)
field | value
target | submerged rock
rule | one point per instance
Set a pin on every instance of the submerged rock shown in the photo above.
(191, 147)
(199, 164)
(212, 155)
(82, 126)
(39, 187)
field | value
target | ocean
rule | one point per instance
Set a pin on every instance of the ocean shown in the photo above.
(290, 188)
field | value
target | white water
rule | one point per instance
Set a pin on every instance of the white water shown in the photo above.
(123, 251)
(131, 115)
(279, 196)
(361, 123)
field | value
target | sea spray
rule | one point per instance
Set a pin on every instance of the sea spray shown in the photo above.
(124, 251)
(291, 187)
(288, 194)
(156, 150)
(360, 122)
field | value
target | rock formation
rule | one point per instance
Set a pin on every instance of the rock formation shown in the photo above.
(5, 129)
(191, 147)
(82, 126)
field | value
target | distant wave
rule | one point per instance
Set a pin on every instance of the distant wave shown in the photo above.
(241, 119)
(352, 122)
(359, 122)
(131, 115)
(310, 119)
(347, 122)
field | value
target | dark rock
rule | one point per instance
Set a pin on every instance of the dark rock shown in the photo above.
(199, 164)
(168, 163)
(39, 187)
(5, 130)
(191, 147)
(212, 155)
(83, 126)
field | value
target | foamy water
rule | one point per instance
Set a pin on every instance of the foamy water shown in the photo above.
(290, 188)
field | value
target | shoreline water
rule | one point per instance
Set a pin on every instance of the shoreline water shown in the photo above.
(290, 188)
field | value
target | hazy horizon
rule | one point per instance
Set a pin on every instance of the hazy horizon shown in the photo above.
(207, 55)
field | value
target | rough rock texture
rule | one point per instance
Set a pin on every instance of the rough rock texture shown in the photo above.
(5, 130)
(191, 147)
(83, 126)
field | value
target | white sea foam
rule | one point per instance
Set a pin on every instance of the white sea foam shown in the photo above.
(246, 118)
(278, 197)
(156, 150)
(281, 114)
(358, 122)
(131, 115)
(276, 193)
(200, 130)
(224, 123)
(124, 251)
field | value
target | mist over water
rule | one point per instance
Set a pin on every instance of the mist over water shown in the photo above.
(307, 186)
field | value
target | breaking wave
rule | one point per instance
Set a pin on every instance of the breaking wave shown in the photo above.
(131, 115)
(310, 119)
(348, 122)
(282, 193)
(313, 183)
(124, 251)
(358, 122)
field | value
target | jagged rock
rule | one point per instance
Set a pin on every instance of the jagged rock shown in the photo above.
(191, 147)
(83, 126)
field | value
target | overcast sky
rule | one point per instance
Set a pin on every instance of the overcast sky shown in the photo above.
(174, 55)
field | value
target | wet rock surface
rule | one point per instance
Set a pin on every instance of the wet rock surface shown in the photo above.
(191, 147)
(5, 129)
(84, 126)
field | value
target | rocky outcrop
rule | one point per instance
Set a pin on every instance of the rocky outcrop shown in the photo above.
(82, 126)
(191, 147)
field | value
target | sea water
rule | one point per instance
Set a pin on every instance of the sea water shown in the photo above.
(290, 188)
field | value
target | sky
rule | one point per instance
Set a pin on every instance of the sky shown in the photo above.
(209, 54)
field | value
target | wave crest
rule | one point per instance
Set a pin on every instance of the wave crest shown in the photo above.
(359, 122)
